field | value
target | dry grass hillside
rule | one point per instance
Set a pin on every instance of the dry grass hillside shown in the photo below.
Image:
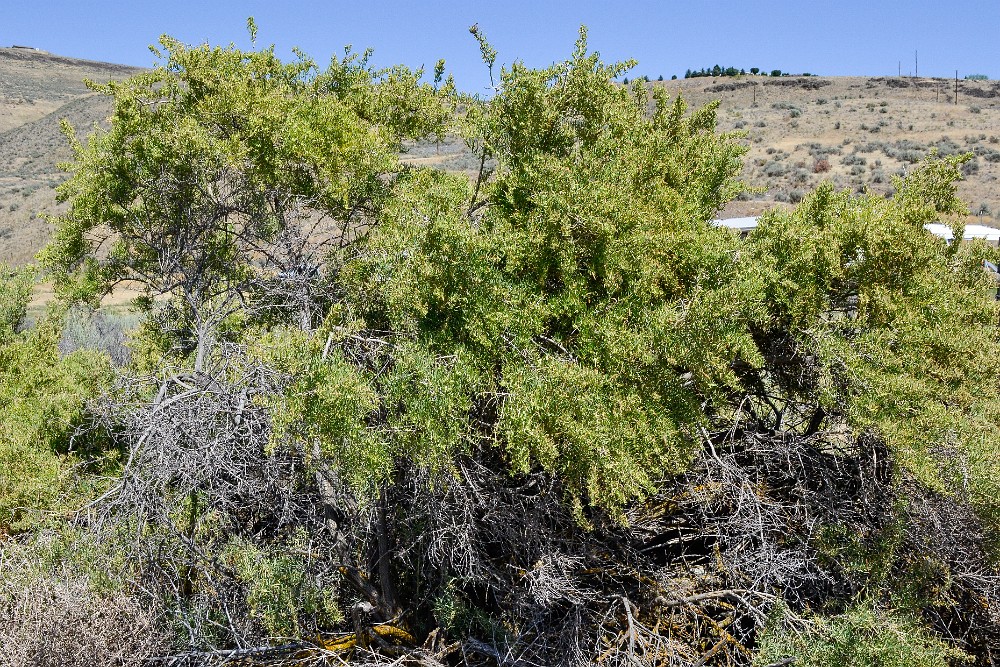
(855, 131)
(37, 90)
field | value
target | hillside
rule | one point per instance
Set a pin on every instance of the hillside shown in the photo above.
(37, 90)
(857, 131)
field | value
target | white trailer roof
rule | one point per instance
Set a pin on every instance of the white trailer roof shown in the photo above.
(939, 230)
(971, 232)
(742, 225)
(981, 232)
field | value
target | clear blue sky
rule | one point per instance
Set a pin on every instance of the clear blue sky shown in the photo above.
(846, 37)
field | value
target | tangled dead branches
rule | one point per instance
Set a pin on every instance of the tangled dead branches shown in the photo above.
(476, 566)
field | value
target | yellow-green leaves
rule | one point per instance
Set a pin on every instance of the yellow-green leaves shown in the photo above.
(326, 408)
(894, 331)
(42, 403)
(212, 153)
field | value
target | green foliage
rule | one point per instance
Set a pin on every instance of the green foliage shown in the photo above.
(209, 151)
(580, 292)
(15, 292)
(42, 396)
(280, 594)
(327, 406)
(861, 637)
(903, 331)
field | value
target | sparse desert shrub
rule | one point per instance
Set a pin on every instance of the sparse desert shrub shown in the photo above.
(796, 195)
(821, 166)
(971, 167)
(775, 169)
(98, 331)
(62, 606)
(905, 150)
(945, 146)
(857, 170)
(61, 622)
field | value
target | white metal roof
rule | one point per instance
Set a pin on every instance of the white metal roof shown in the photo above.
(939, 230)
(981, 232)
(738, 224)
(990, 234)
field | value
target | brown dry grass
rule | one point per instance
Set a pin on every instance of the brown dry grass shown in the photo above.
(886, 122)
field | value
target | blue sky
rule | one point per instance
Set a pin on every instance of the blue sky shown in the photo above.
(849, 37)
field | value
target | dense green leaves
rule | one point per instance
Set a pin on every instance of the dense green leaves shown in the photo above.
(861, 637)
(42, 406)
(892, 330)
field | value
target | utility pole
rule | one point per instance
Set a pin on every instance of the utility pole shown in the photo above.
(956, 88)
(899, 69)
(916, 70)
